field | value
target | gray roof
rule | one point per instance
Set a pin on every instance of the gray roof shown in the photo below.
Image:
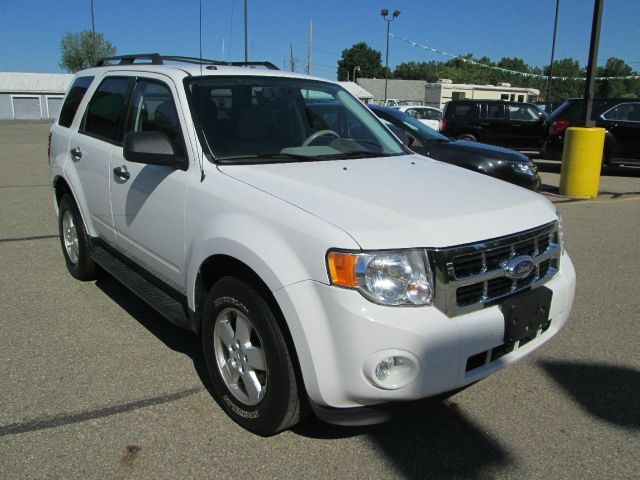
(21, 82)
(356, 90)
(412, 90)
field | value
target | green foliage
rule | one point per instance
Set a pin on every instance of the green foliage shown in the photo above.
(464, 72)
(363, 56)
(81, 50)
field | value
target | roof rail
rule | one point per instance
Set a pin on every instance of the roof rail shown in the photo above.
(157, 59)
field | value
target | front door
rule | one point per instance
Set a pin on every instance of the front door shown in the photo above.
(148, 201)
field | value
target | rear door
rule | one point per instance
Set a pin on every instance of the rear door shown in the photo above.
(148, 201)
(91, 147)
(526, 126)
(623, 122)
(493, 124)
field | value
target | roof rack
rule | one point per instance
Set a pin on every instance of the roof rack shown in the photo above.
(157, 59)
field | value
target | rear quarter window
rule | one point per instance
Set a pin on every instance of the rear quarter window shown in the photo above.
(72, 102)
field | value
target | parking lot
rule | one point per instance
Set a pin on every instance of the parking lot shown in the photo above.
(95, 385)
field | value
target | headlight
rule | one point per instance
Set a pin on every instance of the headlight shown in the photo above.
(560, 232)
(400, 277)
(524, 168)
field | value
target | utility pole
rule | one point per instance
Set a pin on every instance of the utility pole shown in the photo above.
(592, 66)
(93, 35)
(553, 51)
(310, 41)
(246, 47)
(293, 61)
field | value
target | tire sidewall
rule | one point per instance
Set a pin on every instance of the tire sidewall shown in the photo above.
(269, 414)
(84, 268)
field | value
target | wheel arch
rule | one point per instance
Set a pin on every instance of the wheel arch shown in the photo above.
(218, 266)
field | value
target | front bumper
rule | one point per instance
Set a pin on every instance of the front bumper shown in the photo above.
(337, 331)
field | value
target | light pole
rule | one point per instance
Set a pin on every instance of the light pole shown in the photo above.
(384, 12)
(355, 69)
(553, 51)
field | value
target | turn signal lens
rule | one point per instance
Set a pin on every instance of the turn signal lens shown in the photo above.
(342, 267)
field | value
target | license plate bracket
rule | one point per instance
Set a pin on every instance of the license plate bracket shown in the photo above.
(525, 314)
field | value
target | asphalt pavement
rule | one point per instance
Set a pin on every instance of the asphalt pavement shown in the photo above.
(95, 384)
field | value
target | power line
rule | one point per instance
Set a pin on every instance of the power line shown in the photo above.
(326, 51)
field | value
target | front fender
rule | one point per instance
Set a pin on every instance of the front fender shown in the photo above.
(280, 253)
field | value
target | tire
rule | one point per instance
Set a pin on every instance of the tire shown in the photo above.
(467, 136)
(248, 360)
(75, 241)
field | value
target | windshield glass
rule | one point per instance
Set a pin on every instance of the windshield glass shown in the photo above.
(284, 119)
(424, 130)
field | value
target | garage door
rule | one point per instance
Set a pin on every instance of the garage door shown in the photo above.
(54, 104)
(26, 107)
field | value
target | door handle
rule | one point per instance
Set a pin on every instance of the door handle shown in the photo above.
(122, 172)
(76, 152)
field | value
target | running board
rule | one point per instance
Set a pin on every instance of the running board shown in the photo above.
(172, 309)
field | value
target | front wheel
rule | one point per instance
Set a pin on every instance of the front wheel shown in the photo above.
(248, 360)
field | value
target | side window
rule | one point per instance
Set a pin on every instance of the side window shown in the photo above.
(433, 115)
(412, 112)
(523, 113)
(153, 110)
(492, 111)
(458, 95)
(461, 111)
(627, 112)
(107, 109)
(72, 102)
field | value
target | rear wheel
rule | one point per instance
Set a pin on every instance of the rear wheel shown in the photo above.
(75, 241)
(248, 360)
(468, 137)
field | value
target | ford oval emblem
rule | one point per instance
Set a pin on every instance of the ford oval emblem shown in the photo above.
(518, 267)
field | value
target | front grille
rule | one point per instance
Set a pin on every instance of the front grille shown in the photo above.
(470, 277)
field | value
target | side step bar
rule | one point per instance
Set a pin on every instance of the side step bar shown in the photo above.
(175, 311)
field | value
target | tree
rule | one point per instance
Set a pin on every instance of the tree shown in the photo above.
(363, 56)
(616, 67)
(81, 50)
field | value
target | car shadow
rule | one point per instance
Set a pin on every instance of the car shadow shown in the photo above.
(176, 338)
(608, 392)
(436, 442)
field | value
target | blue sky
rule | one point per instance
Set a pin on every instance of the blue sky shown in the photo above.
(30, 30)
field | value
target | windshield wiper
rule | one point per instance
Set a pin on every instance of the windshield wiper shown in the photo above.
(267, 158)
(361, 154)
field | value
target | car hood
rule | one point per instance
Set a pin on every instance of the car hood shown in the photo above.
(486, 151)
(400, 202)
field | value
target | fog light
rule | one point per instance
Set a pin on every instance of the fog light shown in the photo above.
(392, 369)
(383, 370)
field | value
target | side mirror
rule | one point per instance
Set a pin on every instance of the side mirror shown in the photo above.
(152, 148)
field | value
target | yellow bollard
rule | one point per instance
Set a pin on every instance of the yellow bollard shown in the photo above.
(581, 162)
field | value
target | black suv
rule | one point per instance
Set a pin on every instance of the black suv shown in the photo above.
(510, 124)
(619, 116)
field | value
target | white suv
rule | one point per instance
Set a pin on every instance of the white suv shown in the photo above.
(323, 263)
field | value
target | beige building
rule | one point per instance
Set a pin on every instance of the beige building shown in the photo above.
(444, 90)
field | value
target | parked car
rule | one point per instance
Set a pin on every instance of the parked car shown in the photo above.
(509, 124)
(620, 117)
(430, 116)
(322, 263)
(498, 162)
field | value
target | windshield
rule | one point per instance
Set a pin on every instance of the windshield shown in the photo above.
(283, 119)
(411, 124)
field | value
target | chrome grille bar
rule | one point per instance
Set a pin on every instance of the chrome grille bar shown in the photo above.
(479, 283)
